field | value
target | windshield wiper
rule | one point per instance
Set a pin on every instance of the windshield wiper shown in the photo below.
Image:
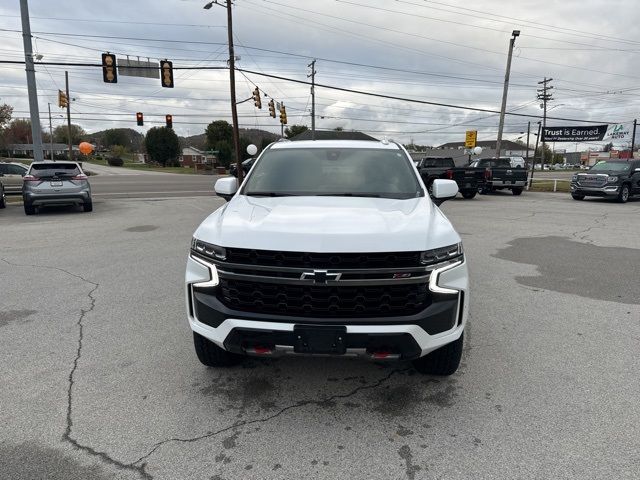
(270, 194)
(348, 194)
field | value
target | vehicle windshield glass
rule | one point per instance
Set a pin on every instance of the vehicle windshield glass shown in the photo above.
(611, 166)
(54, 170)
(492, 162)
(436, 162)
(368, 172)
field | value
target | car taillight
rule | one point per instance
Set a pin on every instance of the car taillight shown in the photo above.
(81, 176)
(30, 178)
(487, 174)
(449, 174)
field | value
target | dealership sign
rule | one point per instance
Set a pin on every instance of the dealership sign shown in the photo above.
(574, 134)
(609, 133)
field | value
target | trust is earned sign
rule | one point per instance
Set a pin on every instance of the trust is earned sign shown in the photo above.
(574, 134)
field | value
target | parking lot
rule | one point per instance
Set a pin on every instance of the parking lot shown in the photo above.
(100, 379)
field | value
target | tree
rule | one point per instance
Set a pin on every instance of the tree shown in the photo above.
(225, 152)
(18, 131)
(118, 151)
(5, 115)
(295, 130)
(218, 131)
(77, 134)
(163, 146)
(116, 136)
(608, 147)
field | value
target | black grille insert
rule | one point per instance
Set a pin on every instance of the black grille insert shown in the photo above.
(322, 260)
(324, 301)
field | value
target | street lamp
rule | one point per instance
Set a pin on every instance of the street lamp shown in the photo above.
(232, 81)
(514, 35)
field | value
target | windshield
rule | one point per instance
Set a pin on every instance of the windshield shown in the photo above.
(611, 166)
(492, 162)
(437, 162)
(364, 172)
(57, 169)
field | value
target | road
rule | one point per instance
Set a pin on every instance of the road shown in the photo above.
(100, 379)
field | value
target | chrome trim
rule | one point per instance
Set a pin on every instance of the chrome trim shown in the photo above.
(329, 283)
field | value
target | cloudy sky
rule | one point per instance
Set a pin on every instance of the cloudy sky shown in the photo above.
(448, 51)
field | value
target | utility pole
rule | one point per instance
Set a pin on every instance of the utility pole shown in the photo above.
(545, 97)
(36, 133)
(232, 81)
(312, 65)
(633, 137)
(534, 157)
(66, 81)
(50, 132)
(514, 34)
(526, 161)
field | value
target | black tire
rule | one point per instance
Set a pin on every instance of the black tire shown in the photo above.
(516, 191)
(484, 190)
(443, 361)
(212, 355)
(468, 194)
(87, 206)
(577, 196)
(29, 209)
(623, 196)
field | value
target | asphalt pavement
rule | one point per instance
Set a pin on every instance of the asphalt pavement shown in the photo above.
(100, 380)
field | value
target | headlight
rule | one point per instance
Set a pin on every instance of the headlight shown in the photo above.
(208, 250)
(612, 179)
(439, 255)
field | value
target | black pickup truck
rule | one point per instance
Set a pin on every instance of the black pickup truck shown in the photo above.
(469, 180)
(616, 179)
(501, 175)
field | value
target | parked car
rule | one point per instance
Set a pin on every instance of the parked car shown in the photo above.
(12, 174)
(469, 180)
(55, 183)
(501, 175)
(616, 179)
(329, 247)
(517, 162)
(3, 200)
(246, 166)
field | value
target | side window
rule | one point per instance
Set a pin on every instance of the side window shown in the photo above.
(15, 170)
(3, 168)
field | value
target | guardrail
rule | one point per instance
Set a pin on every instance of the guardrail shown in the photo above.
(554, 180)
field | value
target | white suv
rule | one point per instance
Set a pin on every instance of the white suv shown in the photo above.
(330, 248)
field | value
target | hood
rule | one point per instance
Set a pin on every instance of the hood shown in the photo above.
(328, 224)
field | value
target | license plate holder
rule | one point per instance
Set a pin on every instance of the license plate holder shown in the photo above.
(56, 184)
(314, 339)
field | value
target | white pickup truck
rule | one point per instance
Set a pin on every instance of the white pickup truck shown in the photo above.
(329, 248)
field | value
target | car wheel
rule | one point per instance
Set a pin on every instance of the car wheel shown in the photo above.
(87, 206)
(443, 361)
(29, 209)
(516, 191)
(576, 196)
(212, 355)
(623, 196)
(468, 194)
(3, 202)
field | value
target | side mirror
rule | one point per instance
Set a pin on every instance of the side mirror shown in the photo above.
(442, 190)
(226, 187)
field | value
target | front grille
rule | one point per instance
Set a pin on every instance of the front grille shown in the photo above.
(322, 260)
(592, 180)
(324, 301)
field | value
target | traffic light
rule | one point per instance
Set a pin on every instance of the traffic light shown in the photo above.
(140, 119)
(283, 115)
(166, 73)
(63, 101)
(109, 72)
(256, 98)
(169, 121)
(272, 109)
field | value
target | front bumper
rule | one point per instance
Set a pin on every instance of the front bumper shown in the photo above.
(606, 191)
(404, 337)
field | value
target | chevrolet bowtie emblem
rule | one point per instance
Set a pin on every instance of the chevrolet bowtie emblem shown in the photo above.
(320, 276)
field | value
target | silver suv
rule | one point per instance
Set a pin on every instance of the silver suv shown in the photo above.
(55, 183)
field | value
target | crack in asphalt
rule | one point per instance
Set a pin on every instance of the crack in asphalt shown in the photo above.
(243, 423)
(66, 436)
(596, 220)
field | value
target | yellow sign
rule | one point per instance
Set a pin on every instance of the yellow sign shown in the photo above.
(470, 139)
